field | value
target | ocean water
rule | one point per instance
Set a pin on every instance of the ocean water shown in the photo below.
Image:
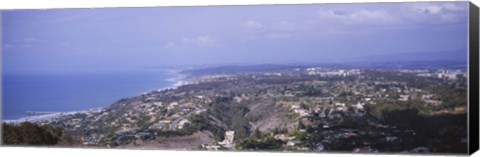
(75, 92)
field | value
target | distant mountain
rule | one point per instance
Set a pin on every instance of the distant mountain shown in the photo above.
(239, 69)
(454, 59)
(452, 55)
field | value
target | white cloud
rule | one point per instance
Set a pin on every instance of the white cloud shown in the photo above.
(278, 36)
(449, 17)
(286, 26)
(454, 7)
(206, 39)
(358, 17)
(370, 15)
(432, 9)
(438, 13)
(278, 30)
(30, 40)
(419, 13)
(201, 41)
(253, 25)
(436, 8)
(252, 30)
(170, 45)
(8, 46)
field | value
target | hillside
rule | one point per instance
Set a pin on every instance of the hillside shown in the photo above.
(300, 109)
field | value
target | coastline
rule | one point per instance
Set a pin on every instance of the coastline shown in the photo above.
(176, 80)
(45, 117)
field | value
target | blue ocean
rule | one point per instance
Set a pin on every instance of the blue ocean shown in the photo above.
(75, 92)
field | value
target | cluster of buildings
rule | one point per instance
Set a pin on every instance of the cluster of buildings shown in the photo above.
(226, 143)
(137, 120)
(215, 77)
(444, 74)
(329, 100)
(332, 72)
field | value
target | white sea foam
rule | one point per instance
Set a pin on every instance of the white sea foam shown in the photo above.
(46, 117)
(177, 80)
(40, 118)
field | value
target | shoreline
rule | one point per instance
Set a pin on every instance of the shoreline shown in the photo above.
(176, 80)
(45, 117)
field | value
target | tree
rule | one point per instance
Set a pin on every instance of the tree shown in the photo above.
(28, 133)
(301, 125)
(257, 134)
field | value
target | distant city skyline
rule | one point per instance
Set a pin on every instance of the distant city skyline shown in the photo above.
(66, 40)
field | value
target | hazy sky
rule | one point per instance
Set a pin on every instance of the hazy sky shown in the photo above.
(91, 39)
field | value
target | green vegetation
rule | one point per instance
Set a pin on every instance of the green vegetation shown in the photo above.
(268, 143)
(231, 114)
(28, 133)
(359, 110)
(198, 123)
